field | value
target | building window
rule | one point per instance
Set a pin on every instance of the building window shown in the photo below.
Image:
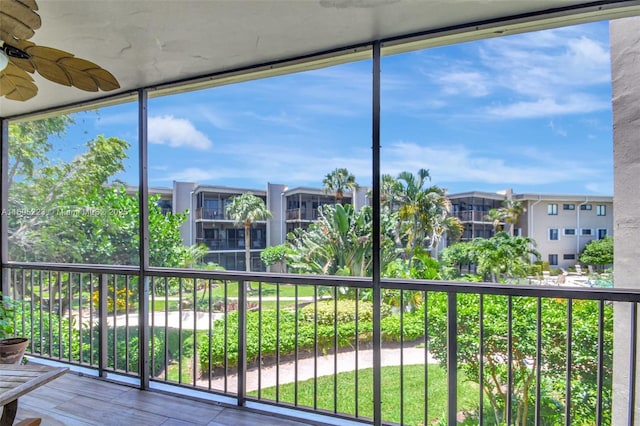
(586, 231)
(552, 209)
(553, 259)
(517, 232)
(601, 210)
(553, 233)
(586, 207)
(569, 256)
(569, 231)
(568, 207)
(602, 233)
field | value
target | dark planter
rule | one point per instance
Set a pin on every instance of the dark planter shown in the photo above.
(12, 350)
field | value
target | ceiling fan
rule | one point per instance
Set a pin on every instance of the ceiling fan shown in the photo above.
(19, 57)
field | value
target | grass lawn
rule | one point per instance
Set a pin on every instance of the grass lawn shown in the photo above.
(412, 394)
(267, 290)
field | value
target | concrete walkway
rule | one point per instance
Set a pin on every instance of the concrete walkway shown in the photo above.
(346, 361)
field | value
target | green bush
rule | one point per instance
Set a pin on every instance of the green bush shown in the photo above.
(412, 326)
(62, 339)
(346, 311)
(543, 265)
(280, 335)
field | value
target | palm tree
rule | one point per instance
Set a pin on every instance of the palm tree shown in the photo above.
(495, 216)
(244, 210)
(389, 188)
(508, 213)
(338, 181)
(512, 211)
(424, 211)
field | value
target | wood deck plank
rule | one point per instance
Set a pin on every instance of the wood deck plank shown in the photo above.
(199, 413)
(74, 400)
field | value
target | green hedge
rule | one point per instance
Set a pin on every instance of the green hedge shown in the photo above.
(212, 348)
(346, 311)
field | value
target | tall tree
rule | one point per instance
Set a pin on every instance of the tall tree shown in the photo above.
(509, 213)
(339, 181)
(73, 211)
(512, 210)
(501, 256)
(598, 252)
(425, 210)
(246, 209)
(495, 216)
(340, 242)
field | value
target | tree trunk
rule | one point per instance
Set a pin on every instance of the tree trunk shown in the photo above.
(247, 252)
(247, 247)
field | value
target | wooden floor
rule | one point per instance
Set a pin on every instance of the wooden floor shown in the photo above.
(73, 400)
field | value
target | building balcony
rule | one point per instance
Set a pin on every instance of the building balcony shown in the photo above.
(288, 342)
(471, 216)
(205, 213)
(302, 214)
(230, 244)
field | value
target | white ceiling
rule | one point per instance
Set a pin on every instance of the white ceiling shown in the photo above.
(145, 43)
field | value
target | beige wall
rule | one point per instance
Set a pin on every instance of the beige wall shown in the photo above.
(537, 223)
(625, 66)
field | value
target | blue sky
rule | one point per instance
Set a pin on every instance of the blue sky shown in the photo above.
(530, 112)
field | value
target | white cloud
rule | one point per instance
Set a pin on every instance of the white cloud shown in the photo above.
(547, 63)
(557, 129)
(280, 119)
(549, 107)
(192, 174)
(459, 164)
(601, 187)
(215, 118)
(176, 132)
(471, 83)
(539, 74)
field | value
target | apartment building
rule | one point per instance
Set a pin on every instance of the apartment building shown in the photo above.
(209, 224)
(472, 208)
(561, 225)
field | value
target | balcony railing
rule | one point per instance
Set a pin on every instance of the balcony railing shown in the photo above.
(302, 214)
(210, 213)
(229, 243)
(408, 352)
(471, 216)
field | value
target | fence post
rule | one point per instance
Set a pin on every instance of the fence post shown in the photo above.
(103, 328)
(452, 358)
(242, 341)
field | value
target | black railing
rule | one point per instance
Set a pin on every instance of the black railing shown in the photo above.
(230, 243)
(302, 214)
(210, 213)
(472, 216)
(306, 342)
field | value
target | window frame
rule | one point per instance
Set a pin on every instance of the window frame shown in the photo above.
(552, 209)
(589, 234)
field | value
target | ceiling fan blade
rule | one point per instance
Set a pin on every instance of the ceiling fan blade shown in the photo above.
(16, 84)
(18, 19)
(64, 68)
(45, 61)
(86, 75)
